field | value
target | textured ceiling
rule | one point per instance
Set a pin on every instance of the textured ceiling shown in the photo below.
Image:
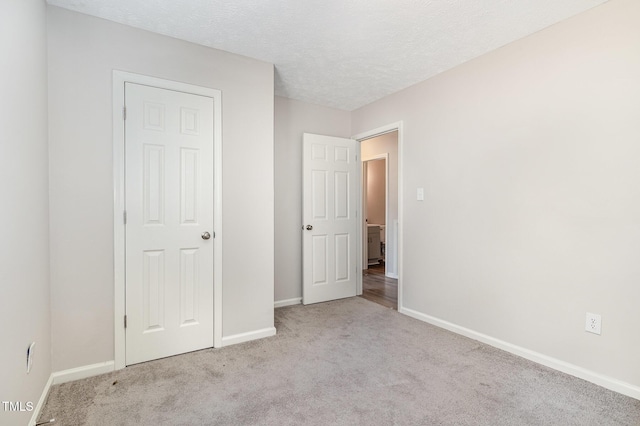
(342, 53)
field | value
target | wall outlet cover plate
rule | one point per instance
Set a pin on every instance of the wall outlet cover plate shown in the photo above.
(593, 323)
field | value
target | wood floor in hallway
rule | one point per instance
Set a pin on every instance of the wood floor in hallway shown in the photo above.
(378, 288)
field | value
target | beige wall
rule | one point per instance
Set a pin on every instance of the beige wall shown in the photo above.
(529, 160)
(83, 52)
(292, 119)
(24, 240)
(376, 191)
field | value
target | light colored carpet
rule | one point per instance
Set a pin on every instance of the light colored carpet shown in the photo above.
(347, 362)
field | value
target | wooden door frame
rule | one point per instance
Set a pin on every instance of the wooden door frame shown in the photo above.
(397, 126)
(119, 237)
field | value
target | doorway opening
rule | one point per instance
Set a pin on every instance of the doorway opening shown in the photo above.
(379, 156)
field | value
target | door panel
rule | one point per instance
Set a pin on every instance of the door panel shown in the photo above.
(330, 176)
(169, 204)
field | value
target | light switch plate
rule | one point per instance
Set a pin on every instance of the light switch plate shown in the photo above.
(420, 194)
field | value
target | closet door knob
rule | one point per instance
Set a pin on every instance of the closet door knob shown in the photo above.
(206, 235)
(309, 227)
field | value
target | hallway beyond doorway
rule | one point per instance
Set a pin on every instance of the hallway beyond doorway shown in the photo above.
(378, 288)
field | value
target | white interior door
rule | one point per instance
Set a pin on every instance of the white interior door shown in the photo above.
(330, 222)
(169, 207)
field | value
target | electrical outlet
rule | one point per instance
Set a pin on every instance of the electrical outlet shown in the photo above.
(30, 351)
(593, 323)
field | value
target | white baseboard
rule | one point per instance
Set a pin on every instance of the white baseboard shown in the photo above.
(68, 376)
(41, 401)
(82, 372)
(582, 373)
(392, 275)
(251, 335)
(287, 302)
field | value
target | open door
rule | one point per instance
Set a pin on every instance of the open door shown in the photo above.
(330, 222)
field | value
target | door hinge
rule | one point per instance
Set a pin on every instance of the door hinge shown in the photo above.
(125, 321)
(124, 216)
(124, 112)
